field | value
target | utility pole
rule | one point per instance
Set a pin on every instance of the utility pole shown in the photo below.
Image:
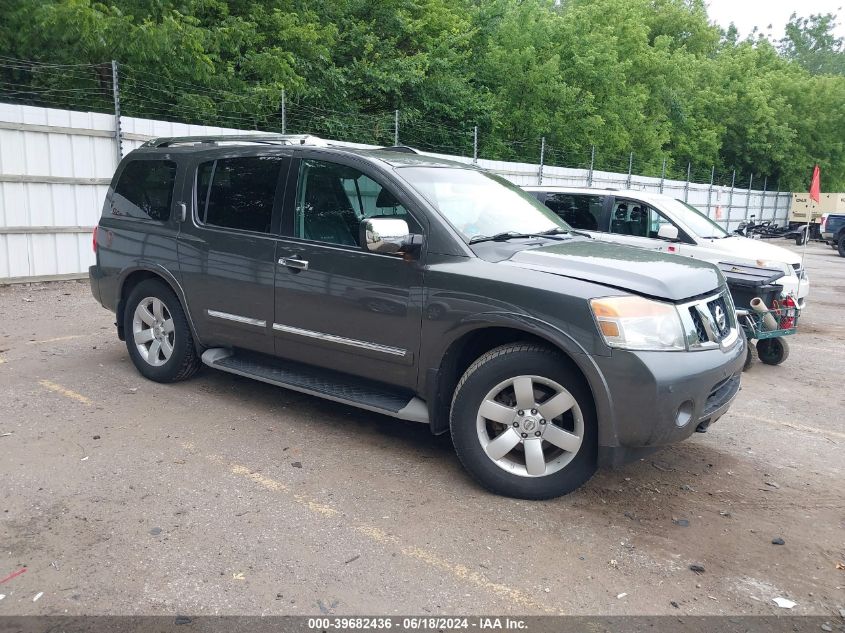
(475, 145)
(118, 134)
(396, 127)
(663, 174)
(763, 198)
(630, 167)
(686, 187)
(592, 164)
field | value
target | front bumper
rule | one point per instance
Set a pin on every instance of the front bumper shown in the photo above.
(798, 288)
(659, 398)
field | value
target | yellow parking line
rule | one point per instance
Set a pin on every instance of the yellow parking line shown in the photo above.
(55, 340)
(460, 572)
(64, 391)
(790, 425)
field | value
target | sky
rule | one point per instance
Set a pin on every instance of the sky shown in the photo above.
(747, 14)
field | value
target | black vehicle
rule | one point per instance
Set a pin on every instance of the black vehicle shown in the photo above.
(833, 231)
(417, 288)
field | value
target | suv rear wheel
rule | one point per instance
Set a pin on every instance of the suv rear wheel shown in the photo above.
(523, 423)
(157, 334)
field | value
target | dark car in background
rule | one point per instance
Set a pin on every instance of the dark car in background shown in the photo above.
(833, 231)
(417, 288)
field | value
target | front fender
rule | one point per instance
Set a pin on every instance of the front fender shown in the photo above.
(555, 336)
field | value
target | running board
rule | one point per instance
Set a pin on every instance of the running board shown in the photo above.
(324, 383)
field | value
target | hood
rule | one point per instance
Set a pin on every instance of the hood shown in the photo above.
(641, 271)
(752, 250)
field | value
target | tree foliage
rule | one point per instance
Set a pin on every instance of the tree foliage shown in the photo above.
(652, 77)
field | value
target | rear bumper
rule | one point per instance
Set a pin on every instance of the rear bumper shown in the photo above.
(660, 398)
(94, 278)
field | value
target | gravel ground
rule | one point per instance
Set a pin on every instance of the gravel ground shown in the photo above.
(222, 495)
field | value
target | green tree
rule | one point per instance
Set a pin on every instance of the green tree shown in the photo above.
(811, 42)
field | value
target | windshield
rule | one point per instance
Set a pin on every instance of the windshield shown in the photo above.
(478, 204)
(699, 223)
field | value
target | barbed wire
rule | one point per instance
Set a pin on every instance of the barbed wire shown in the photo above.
(145, 93)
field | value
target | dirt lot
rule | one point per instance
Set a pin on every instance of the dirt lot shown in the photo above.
(222, 495)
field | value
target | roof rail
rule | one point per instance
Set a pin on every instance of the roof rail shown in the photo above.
(402, 149)
(266, 139)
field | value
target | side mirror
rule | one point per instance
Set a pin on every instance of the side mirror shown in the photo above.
(384, 235)
(668, 232)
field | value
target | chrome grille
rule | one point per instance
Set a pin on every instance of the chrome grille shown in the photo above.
(710, 322)
(721, 317)
(699, 325)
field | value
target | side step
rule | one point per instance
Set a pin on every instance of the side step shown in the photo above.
(316, 381)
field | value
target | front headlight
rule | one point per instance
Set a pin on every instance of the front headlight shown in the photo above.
(770, 263)
(640, 324)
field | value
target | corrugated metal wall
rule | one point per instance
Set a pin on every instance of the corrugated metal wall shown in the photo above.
(55, 166)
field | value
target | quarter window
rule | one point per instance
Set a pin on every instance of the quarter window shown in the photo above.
(332, 199)
(145, 190)
(238, 193)
(579, 211)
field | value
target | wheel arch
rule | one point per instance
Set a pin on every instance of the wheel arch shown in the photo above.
(130, 277)
(473, 340)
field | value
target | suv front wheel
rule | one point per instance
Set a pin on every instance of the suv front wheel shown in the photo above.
(523, 423)
(157, 333)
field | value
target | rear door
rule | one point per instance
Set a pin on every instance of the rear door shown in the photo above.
(227, 248)
(338, 305)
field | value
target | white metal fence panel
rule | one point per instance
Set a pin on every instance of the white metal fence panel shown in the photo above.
(55, 166)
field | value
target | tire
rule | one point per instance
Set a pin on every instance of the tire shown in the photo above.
(524, 435)
(841, 246)
(773, 351)
(155, 336)
(750, 356)
(801, 238)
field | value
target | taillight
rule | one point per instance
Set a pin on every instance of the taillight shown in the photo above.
(94, 239)
(824, 221)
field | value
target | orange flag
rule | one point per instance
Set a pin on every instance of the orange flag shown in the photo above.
(816, 185)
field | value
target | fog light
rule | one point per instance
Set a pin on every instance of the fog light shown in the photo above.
(684, 414)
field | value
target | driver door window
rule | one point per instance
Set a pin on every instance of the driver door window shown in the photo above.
(333, 199)
(636, 219)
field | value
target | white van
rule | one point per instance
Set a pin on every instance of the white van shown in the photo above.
(659, 222)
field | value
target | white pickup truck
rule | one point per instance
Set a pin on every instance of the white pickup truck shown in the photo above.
(659, 222)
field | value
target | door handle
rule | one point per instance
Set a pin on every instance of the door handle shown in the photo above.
(293, 262)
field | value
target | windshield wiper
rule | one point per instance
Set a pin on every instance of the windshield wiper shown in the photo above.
(555, 231)
(511, 235)
(498, 237)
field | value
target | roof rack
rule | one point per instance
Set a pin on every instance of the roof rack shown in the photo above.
(402, 149)
(265, 139)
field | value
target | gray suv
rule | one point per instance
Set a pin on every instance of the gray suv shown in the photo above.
(417, 288)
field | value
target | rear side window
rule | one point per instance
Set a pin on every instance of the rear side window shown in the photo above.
(579, 211)
(238, 193)
(145, 190)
